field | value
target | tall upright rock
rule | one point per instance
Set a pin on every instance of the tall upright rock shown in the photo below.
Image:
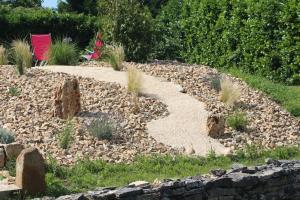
(67, 99)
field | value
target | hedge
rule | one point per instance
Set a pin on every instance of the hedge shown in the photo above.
(20, 22)
(259, 36)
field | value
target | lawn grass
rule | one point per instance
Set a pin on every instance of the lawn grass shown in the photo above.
(287, 96)
(87, 175)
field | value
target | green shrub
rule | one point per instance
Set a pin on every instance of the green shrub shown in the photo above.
(215, 83)
(21, 22)
(257, 36)
(133, 27)
(237, 121)
(116, 56)
(21, 55)
(3, 56)
(66, 137)
(101, 129)
(6, 136)
(13, 91)
(63, 53)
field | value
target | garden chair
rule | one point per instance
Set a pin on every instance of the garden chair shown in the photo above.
(96, 53)
(41, 45)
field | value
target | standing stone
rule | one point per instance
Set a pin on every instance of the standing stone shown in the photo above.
(215, 126)
(2, 158)
(30, 171)
(67, 99)
(13, 150)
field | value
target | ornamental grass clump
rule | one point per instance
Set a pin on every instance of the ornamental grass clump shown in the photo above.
(238, 121)
(21, 55)
(134, 80)
(3, 56)
(230, 92)
(66, 137)
(63, 53)
(116, 56)
(101, 129)
(6, 136)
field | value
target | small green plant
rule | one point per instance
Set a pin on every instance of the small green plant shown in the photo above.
(237, 121)
(3, 56)
(66, 136)
(116, 56)
(101, 129)
(230, 92)
(63, 53)
(6, 136)
(215, 83)
(134, 82)
(21, 55)
(13, 91)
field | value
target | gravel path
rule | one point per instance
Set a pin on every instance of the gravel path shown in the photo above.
(186, 124)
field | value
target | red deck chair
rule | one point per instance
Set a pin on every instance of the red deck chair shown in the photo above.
(96, 54)
(41, 45)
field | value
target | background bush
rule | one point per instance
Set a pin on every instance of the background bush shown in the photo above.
(258, 36)
(21, 22)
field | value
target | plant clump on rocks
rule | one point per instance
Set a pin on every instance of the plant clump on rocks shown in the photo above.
(230, 92)
(63, 53)
(66, 137)
(238, 121)
(134, 83)
(21, 55)
(13, 91)
(101, 128)
(6, 136)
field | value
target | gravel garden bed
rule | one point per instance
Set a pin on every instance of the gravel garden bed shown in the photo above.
(26, 110)
(269, 124)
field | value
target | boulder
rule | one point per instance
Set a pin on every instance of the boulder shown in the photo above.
(215, 126)
(2, 158)
(13, 150)
(67, 99)
(30, 171)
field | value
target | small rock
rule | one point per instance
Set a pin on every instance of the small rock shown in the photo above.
(190, 150)
(30, 171)
(218, 172)
(215, 126)
(139, 184)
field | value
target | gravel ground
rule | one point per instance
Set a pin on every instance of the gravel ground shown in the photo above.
(29, 116)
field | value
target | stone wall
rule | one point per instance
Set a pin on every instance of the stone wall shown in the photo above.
(277, 180)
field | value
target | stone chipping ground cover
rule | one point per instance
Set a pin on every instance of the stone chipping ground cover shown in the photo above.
(29, 116)
(270, 125)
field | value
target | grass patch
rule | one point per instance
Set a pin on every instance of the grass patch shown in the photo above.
(63, 53)
(13, 91)
(86, 174)
(134, 80)
(287, 96)
(3, 56)
(66, 137)
(238, 121)
(22, 55)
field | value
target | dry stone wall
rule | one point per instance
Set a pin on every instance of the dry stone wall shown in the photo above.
(277, 180)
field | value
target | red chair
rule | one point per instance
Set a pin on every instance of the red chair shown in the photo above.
(41, 45)
(96, 54)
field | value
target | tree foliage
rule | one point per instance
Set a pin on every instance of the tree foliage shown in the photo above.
(23, 3)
